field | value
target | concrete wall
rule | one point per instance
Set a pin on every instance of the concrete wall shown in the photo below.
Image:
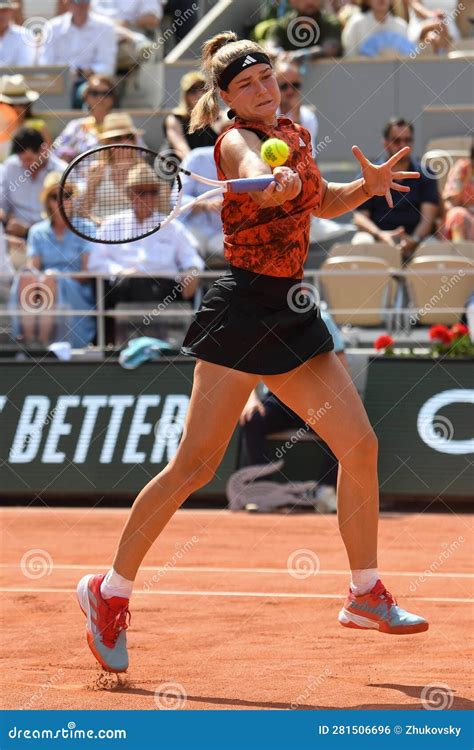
(355, 97)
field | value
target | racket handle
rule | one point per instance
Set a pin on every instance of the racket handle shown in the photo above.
(250, 184)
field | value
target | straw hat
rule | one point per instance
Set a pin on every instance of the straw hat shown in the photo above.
(15, 90)
(142, 174)
(50, 184)
(117, 124)
(8, 4)
(191, 79)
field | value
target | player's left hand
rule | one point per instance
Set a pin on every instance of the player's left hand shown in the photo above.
(380, 179)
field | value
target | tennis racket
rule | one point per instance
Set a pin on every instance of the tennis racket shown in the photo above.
(121, 193)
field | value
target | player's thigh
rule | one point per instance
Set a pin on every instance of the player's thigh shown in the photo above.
(218, 397)
(322, 393)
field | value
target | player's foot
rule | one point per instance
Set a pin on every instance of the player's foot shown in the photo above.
(106, 623)
(379, 610)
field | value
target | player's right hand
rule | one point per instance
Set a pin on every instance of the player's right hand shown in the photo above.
(287, 185)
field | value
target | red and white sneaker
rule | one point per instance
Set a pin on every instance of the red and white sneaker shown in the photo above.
(378, 610)
(107, 621)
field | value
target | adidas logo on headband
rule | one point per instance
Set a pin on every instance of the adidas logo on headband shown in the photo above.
(241, 63)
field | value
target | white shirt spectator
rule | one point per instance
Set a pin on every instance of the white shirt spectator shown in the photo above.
(204, 224)
(92, 46)
(16, 48)
(361, 26)
(171, 250)
(128, 10)
(20, 191)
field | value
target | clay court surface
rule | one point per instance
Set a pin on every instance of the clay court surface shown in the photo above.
(243, 615)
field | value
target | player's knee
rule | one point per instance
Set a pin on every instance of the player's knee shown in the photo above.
(194, 472)
(361, 448)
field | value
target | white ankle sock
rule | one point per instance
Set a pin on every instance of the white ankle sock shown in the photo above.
(116, 585)
(363, 580)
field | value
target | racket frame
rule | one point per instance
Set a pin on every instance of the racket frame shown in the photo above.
(242, 185)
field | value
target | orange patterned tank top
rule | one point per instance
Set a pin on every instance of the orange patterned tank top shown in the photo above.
(272, 241)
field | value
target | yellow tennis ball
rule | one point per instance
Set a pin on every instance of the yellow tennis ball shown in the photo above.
(275, 152)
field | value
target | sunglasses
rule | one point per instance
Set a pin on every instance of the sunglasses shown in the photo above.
(66, 196)
(397, 141)
(95, 93)
(195, 90)
(290, 85)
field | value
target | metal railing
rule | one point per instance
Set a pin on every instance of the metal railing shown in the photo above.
(159, 309)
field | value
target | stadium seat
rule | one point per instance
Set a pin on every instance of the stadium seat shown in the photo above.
(451, 144)
(392, 255)
(446, 249)
(440, 297)
(357, 299)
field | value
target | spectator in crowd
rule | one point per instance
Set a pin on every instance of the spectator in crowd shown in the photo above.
(22, 180)
(178, 140)
(270, 12)
(411, 220)
(52, 248)
(107, 180)
(15, 47)
(171, 250)
(15, 92)
(290, 83)
(204, 220)
(83, 133)
(458, 197)
(6, 268)
(87, 43)
(135, 21)
(376, 32)
(133, 14)
(307, 22)
(433, 22)
(266, 415)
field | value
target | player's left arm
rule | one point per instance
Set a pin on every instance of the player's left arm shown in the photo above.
(377, 179)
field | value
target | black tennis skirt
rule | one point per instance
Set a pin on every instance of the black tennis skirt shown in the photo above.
(260, 324)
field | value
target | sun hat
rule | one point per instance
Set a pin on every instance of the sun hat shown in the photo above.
(15, 90)
(116, 124)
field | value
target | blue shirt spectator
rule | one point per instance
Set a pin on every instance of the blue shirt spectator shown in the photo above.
(406, 206)
(204, 221)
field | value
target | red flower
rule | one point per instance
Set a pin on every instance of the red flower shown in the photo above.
(458, 330)
(383, 342)
(440, 333)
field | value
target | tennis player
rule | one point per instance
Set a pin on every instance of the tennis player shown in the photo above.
(256, 324)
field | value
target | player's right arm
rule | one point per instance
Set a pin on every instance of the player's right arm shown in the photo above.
(240, 158)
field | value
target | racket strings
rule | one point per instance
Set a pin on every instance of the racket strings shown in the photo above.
(117, 195)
